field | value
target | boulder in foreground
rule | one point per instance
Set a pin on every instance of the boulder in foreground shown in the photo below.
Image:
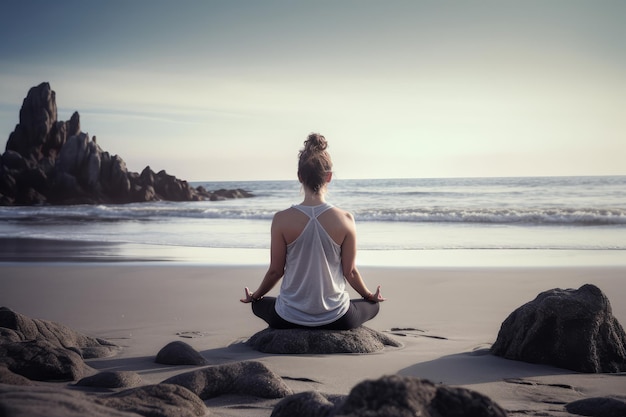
(317, 341)
(111, 379)
(160, 400)
(179, 353)
(598, 407)
(18, 327)
(571, 329)
(40, 360)
(47, 351)
(244, 378)
(152, 400)
(398, 396)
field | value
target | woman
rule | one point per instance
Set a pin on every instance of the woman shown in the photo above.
(313, 249)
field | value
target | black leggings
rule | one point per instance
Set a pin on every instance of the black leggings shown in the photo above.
(359, 312)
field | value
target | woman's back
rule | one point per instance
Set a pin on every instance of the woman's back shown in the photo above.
(335, 221)
(313, 291)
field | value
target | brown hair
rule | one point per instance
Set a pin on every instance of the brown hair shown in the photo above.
(314, 162)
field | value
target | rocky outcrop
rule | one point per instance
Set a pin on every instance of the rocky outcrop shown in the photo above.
(152, 400)
(16, 327)
(40, 360)
(571, 329)
(598, 407)
(48, 161)
(111, 379)
(244, 378)
(179, 353)
(11, 378)
(46, 351)
(317, 341)
(160, 400)
(393, 395)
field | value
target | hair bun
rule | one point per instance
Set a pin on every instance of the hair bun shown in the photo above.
(315, 143)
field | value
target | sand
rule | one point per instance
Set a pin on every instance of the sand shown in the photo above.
(458, 311)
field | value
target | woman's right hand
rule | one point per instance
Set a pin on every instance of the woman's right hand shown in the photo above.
(376, 297)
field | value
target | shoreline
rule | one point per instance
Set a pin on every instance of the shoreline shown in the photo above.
(32, 250)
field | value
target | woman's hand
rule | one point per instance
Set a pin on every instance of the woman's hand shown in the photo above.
(248, 298)
(376, 297)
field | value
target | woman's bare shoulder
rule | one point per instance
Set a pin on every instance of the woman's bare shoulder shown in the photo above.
(343, 214)
(286, 215)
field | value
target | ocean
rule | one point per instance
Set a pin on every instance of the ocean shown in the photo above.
(533, 221)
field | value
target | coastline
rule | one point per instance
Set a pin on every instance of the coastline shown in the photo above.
(26, 250)
(142, 306)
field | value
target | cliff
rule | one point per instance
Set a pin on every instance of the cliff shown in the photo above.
(48, 161)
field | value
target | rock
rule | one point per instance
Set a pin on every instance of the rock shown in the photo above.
(306, 404)
(394, 395)
(73, 125)
(315, 341)
(45, 401)
(42, 361)
(111, 379)
(13, 160)
(598, 407)
(76, 170)
(34, 178)
(119, 184)
(44, 350)
(11, 378)
(149, 401)
(56, 334)
(8, 185)
(73, 155)
(29, 197)
(161, 400)
(37, 116)
(179, 353)
(244, 378)
(571, 329)
(223, 194)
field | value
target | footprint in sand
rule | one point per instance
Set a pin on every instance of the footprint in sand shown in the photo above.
(412, 332)
(190, 335)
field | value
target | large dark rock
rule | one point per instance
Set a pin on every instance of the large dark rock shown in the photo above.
(179, 353)
(18, 327)
(47, 351)
(244, 378)
(307, 404)
(149, 401)
(111, 379)
(394, 395)
(11, 378)
(598, 407)
(37, 117)
(48, 161)
(572, 329)
(161, 400)
(42, 361)
(316, 341)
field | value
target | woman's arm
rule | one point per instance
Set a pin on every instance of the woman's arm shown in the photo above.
(348, 263)
(278, 256)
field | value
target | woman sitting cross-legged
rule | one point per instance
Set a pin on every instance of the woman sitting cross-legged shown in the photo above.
(313, 250)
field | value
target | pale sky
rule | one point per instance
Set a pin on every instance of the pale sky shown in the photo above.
(229, 90)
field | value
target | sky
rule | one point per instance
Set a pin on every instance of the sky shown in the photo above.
(229, 90)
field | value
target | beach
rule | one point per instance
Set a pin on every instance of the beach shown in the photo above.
(455, 314)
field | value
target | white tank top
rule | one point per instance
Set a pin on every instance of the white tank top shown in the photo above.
(313, 289)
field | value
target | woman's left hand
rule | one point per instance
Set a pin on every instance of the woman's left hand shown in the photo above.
(248, 297)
